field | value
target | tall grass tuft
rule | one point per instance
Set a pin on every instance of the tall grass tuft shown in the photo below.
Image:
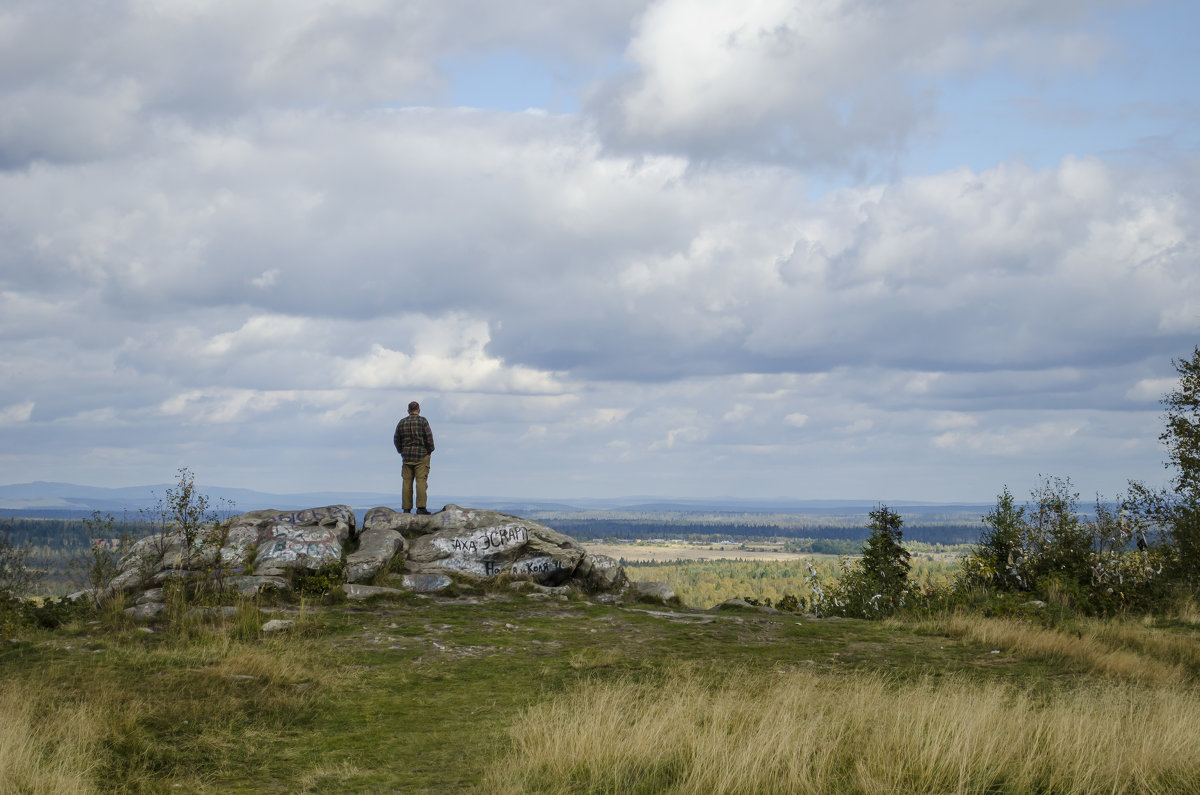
(46, 749)
(803, 732)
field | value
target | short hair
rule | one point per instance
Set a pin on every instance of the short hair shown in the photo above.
(414, 406)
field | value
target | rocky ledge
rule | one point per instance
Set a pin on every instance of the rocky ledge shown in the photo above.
(269, 549)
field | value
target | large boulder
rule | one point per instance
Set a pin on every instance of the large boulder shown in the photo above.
(292, 540)
(600, 573)
(386, 519)
(486, 544)
(378, 543)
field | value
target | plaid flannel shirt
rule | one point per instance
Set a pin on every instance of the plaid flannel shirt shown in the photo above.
(413, 437)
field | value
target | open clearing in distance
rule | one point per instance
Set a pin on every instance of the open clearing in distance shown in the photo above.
(671, 551)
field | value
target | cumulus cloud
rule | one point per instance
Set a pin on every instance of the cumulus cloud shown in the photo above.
(817, 82)
(463, 365)
(796, 419)
(79, 82)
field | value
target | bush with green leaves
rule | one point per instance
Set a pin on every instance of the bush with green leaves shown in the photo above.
(324, 583)
(1000, 559)
(1097, 564)
(1060, 543)
(100, 561)
(185, 509)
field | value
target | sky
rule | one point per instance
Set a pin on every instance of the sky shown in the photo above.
(819, 249)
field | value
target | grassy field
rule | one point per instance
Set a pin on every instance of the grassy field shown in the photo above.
(511, 692)
(703, 583)
(634, 553)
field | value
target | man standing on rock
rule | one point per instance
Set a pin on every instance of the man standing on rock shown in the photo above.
(414, 441)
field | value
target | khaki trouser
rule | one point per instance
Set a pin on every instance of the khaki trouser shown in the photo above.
(419, 470)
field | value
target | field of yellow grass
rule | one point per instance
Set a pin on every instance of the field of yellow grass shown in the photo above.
(670, 551)
(705, 582)
(801, 731)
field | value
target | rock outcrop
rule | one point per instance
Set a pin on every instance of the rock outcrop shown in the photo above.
(268, 549)
(486, 544)
(274, 544)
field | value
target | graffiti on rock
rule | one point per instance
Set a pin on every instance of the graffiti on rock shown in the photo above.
(286, 543)
(489, 552)
(532, 566)
(490, 541)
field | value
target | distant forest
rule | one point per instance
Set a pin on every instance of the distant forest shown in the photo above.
(630, 529)
(61, 533)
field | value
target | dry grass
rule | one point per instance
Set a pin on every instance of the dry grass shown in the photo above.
(670, 552)
(328, 778)
(50, 745)
(1116, 649)
(1143, 638)
(801, 732)
(1187, 612)
(69, 734)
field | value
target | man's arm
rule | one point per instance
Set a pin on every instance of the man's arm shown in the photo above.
(428, 436)
(396, 436)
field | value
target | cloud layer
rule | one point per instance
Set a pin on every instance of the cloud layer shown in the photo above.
(240, 238)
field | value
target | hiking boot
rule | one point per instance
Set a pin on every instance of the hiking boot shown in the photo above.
(422, 512)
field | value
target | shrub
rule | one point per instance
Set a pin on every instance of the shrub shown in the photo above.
(325, 582)
(876, 584)
(999, 560)
(100, 562)
(17, 579)
(1061, 545)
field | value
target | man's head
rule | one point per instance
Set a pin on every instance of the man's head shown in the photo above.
(414, 408)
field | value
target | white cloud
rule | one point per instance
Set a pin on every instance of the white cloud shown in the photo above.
(224, 406)
(256, 333)
(1151, 389)
(450, 357)
(796, 419)
(858, 426)
(16, 414)
(267, 279)
(684, 434)
(738, 413)
(80, 81)
(821, 80)
(607, 416)
(1011, 441)
(952, 420)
